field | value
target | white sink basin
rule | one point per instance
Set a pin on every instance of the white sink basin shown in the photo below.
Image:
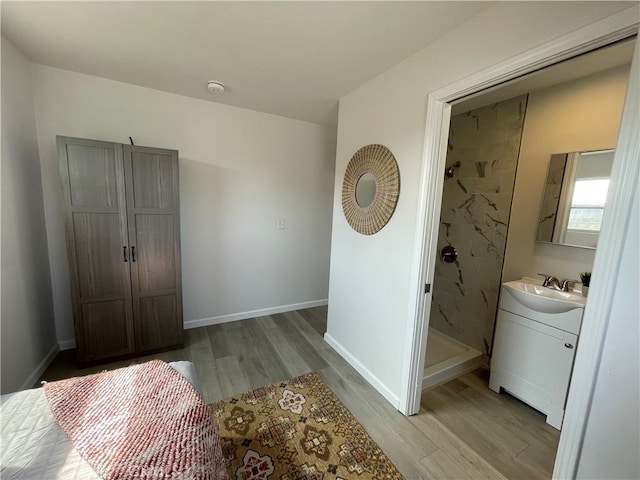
(543, 299)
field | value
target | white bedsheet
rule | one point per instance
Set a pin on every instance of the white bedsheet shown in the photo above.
(34, 446)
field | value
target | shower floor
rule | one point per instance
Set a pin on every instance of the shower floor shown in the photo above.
(447, 359)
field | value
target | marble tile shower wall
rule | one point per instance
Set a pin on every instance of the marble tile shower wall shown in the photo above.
(475, 215)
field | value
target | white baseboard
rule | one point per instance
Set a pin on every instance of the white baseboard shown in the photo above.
(204, 322)
(364, 371)
(39, 370)
(67, 344)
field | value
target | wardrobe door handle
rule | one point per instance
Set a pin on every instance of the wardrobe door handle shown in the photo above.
(133, 254)
(124, 253)
(568, 345)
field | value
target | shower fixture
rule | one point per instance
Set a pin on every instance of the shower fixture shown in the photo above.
(449, 254)
(448, 173)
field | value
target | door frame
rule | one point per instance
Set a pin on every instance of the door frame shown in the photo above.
(611, 29)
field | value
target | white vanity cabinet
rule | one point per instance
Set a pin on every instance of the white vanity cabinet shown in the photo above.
(533, 355)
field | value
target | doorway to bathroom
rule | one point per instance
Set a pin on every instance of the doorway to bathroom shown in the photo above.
(492, 219)
(482, 156)
(494, 228)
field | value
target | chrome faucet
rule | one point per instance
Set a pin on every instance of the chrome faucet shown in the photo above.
(550, 281)
(553, 282)
(564, 286)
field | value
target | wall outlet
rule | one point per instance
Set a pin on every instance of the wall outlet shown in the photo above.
(280, 224)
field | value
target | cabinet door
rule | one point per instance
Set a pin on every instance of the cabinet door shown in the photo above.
(93, 184)
(153, 211)
(533, 361)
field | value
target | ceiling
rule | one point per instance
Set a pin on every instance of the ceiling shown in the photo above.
(294, 59)
(605, 58)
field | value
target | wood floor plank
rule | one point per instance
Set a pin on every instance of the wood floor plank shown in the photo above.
(232, 325)
(440, 464)
(467, 406)
(467, 460)
(220, 346)
(489, 447)
(511, 419)
(539, 457)
(204, 361)
(246, 352)
(266, 322)
(302, 346)
(181, 354)
(301, 317)
(514, 414)
(315, 318)
(272, 363)
(293, 362)
(329, 355)
(231, 376)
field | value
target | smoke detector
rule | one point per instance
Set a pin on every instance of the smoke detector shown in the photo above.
(215, 87)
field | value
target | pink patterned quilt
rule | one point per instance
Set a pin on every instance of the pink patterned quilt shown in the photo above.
(143, 421)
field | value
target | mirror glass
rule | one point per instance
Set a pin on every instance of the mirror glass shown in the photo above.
(574, 197)
(366, 189)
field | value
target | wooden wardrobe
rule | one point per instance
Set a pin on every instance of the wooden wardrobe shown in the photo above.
(122, 221)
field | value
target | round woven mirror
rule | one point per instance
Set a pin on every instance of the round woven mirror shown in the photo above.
(372, 174)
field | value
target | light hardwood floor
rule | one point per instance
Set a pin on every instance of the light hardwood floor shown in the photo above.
(463, 431)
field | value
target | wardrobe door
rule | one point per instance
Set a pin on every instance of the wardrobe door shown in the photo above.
(154, 235)
(93, 184)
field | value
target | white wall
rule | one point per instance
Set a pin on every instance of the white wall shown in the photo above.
(240, 171)
(612, 438)
(28, 329)
(372, 277)
(575, 116)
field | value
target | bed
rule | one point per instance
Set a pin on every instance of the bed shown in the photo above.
(35, 446)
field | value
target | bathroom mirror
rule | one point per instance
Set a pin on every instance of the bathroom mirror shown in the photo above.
(574, 198)
(370, 189)
(365, 189)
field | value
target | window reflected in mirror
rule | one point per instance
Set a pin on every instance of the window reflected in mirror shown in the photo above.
(574, 198)
(587, 204)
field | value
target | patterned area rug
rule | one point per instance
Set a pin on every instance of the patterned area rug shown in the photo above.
(296, 430)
